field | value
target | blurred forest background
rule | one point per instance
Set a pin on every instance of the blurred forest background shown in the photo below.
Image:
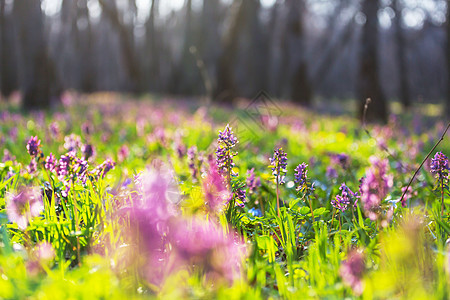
(299, 50)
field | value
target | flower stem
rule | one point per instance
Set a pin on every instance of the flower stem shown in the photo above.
(442, 197)
(77, 225)
(310, 206)
(278, 198)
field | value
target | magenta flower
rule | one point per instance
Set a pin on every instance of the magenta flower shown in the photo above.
(24, 205)
(205, 245)
(123, 153)
(215, 189)
(33, 146)
(375, 186)
(45, 251)
(352, 271)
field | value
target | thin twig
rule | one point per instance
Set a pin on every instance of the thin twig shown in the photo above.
(423, 161)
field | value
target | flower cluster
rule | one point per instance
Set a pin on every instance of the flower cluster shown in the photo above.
(102, 169)
(352, 271)
(278, 164)
(24, 205)
(440, 167)
(224, 154)
(239, 196)
(215, 189)
(194, 242)
(342, 201)
(375, 186)
(33, 146)
(301, 179)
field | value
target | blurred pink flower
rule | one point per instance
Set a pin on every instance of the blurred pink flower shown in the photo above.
(24, 205)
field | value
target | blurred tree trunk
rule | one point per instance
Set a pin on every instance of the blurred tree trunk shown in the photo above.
(404, 93)
(185, 74)
(8, 60)
(38, 81)
(109, 8)
(152, 51)
(301, 91)
(85, 46)
(207, 42)
(368, 82)
(225, 90)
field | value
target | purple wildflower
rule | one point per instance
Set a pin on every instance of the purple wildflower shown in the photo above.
(72, 142)
(50, 162)
(346, 197)
(88, 151)
(64, 166)
(80, 169)
(7, 156)
(54, 129)
(252, 182)
(331, 173)
(301, 175)
(191, 157)
(278, 164)
(240, 197)
(33, 146)
(375, 186)
(32, 167)
(224, 153)
(352, 271)
(439, 166)
(341, 159)
(24, 205)
(104, 168)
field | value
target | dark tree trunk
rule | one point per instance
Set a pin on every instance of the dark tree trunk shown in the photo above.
(8, 60)
(38, 81)
(368, 82)
(225, 90)
(404, 93)
(301, 91)
(152, 55)
(127, 46)
(85, 45)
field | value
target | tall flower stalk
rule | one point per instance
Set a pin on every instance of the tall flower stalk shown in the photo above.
(278, 164)
(440, 167)
(224, 161)
(303, 184)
